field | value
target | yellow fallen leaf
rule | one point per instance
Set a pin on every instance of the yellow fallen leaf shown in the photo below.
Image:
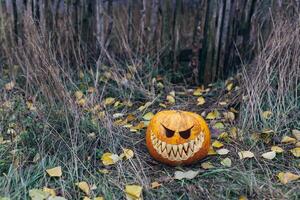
(296, 134)
(233, 110)
(127, 154)
(138, 127)
(243, 197)
(297, 144)
(103, 171)
(83, 186)
(269, 155)
(145, 106)
(130, 118)
(229, 86)
(109, 158)
(30, 105)
(197, 92)
(50, 191)
(172, 93)
(226, 162)
(245, 154)
(86, 198)
(170, 99)
(287, 139)
(98, 198)
(207, 165)
(222, 103)
(213, 115)
(117, 103)
(286, 177)
(222, 151)
(78, 95)
(38, 194)
(133, 192)
(55, 172)
(81, 102)
(277, 149)
(219, 125)
(109, 101)
(211, 151)
(200, 101)
(9, 86)
(148, 116)
(91, 90)
(155, 184)
(229, 116)
(162, 105)
(223, 136)
(233, 132)
(267, 114)
(217, 144)
(296, 152)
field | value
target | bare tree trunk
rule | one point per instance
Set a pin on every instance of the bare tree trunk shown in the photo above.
(224, 38)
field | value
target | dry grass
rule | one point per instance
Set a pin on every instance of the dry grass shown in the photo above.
(271, 82)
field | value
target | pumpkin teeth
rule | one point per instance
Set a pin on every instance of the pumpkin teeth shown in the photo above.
(177, 152)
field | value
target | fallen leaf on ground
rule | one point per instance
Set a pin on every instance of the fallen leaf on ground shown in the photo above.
(207, 165)
(155, 184)
(269, 155)
(217, 144)
(148, 116)
(145, 106)
(219, 125)
(98, 198)
(287, 139)
(226, 162)
(229, 116)
(83, 186)
(170, 99)
(223, 136)
(133, 192)
(245, 154)
(78, 95)
(127, 154)
(296, 134)
(296, 152)
(200, 101)
(185, 175)
(103, 171)
(137, 127)
(286, 177)
(222, 151)
(109, 158)
(9, 86)
(229, 86)
(267, 114)
(38, 194)
(211, 151)
(50, 191)
(213, 115)
(277, 149)
(197, 92)
(54, 172)
(109, 101)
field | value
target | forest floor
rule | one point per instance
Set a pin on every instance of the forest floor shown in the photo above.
(97, 149)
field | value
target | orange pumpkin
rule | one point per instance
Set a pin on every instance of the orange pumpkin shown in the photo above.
(177, 137)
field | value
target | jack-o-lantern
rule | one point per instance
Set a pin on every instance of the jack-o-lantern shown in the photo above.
(177, 137)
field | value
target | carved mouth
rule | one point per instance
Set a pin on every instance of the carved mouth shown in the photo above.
(178, 152)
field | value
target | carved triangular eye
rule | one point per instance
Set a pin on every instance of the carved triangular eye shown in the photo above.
(169, 132)
(185, 134)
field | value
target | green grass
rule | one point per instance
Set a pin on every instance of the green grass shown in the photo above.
(62, 137)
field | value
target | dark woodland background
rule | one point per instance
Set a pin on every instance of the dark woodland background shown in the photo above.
(204, 39)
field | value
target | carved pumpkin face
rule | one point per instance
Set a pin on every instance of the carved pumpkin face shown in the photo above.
(177, 137)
